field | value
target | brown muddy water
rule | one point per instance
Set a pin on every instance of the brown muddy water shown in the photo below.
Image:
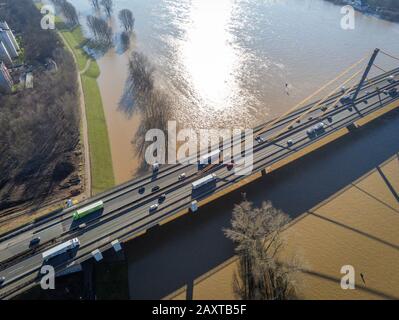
(226, 62)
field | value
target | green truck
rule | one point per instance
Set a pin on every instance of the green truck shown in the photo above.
(79, 214)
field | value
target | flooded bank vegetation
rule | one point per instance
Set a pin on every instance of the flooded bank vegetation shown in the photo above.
(108, 6)
(101, 31)
(256, 233)
(142, 95)
(95, 4)
(39, 127)
(68, 11)
(127, 20)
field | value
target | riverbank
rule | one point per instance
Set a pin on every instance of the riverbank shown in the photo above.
(101, 169)
(356, 226)
(42, 160)
(382, 9)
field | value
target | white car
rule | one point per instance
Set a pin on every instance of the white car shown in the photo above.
(319, 127)
(182, 176)
(155, 167)
(260, 139)
(154, 207)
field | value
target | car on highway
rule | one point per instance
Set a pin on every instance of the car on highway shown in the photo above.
(154, 207)
(34, 242)
(290, 143)
(82, 226)
(155, 189)
(393, 92)
(2, 280)
(316, 130)
(320, 127)
(230, 166)
(346, 99)
(162, 198)
(155, 167)
(182, 177)
(142, 190)
(391, 79)
(259, 139)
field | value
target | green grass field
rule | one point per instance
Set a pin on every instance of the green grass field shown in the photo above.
(100, 151)
(102, 174)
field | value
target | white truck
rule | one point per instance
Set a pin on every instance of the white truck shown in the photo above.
(203, 181)
(60, 249)
(212, 157)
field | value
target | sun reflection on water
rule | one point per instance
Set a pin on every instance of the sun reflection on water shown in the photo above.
(208, 55)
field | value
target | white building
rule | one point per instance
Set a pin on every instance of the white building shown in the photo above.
(6, 82)
(8, 39)
(4, 26)
(4, 55)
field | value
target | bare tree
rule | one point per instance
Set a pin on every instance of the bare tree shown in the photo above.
(108, 6)
(68, 10)
(154, 104)
(155, 115)
(140, 81)
(95, 4)
(127, 19)
(256, 233)
(101, 31)
(70, 13)
(125, 41)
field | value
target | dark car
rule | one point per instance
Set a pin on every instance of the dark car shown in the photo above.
(346, 99)
(162, 198)
(393, 92)
(156, 188)
(391, 79)
(34, 242)
(141, 190)
(2, 279)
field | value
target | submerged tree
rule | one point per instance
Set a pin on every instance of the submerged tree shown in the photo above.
(70, 13)
(140, 80)
(256, 233)
(95, 4)
(127, 19)
(125, 41)
(108, 6)
(101, 31)
(141, 94)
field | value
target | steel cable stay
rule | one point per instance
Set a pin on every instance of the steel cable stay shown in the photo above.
(301, 103)
(316, 106)
(389, 55)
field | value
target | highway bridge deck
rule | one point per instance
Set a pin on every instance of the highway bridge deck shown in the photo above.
(126, 213)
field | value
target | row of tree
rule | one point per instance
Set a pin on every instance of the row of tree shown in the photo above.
(102, 31)
(141, 94)
(107, 5)
(68, 11)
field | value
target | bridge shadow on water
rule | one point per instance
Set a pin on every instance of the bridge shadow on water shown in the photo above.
(176, 254)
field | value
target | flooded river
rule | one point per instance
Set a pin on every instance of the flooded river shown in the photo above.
(227, 62)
